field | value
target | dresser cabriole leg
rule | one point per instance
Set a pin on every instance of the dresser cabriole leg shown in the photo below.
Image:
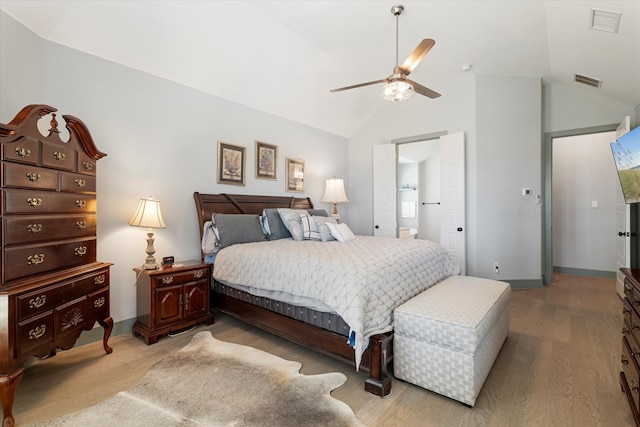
(107, 324)
(8, 385)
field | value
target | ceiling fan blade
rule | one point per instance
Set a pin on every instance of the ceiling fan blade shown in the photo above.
(358, 85)
(423, 90)
(416, 56)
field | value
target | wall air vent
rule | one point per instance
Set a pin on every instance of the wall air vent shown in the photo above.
(581, 78)
(605, 20)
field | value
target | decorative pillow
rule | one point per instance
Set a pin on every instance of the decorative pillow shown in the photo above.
(323, 228)
(291, 220)
(317, 212)
(238, 228)
(309, 227)
(210, 238)
(273, 225)
(341, 232)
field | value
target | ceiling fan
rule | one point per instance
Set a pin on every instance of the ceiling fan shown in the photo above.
(398, 86)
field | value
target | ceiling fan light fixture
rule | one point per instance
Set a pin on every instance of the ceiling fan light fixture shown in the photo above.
(397, 90)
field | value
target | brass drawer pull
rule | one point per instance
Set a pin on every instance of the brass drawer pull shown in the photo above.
(99, 302)
(624, 360)
(636, 302)
(81, 225)
(635, 327)
(80, 182)
(58, 155)
(99, 280)
(37, 302)
(198, 274)
(80, 250)
(38, 332)
(167, 280)
(34, 228)
(34, 202)
(634, 386)
(87, 166)
(33, 177)
(23, 152)
(626, 311)
(81, 203)
(35, 259)
(625, 331)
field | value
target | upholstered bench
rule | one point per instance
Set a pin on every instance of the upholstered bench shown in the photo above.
(447, 338)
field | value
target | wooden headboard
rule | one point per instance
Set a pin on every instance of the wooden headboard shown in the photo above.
(208, 204)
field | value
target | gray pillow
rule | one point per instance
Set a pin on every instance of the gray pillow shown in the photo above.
(291, 220)
(323, 228)
(276, 226)
(317, 212)
(238, 228)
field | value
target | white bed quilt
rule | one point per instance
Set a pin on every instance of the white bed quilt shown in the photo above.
(363, 280)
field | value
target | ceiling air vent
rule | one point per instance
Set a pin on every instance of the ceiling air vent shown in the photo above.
(605, 20)
(581, 78)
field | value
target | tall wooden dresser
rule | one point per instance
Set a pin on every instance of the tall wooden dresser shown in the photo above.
(630, 356)
(51, 285)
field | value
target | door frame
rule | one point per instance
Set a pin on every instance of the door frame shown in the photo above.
(547, 188)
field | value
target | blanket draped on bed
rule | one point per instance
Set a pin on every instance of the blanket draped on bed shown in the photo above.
(363, 280)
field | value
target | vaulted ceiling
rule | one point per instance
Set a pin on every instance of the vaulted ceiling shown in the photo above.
(282, 57)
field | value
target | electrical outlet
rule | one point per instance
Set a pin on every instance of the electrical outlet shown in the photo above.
(496, 267)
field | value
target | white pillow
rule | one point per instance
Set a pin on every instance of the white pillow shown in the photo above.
(341, 232)
(309, 227)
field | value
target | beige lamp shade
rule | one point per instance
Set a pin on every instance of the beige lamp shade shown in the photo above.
(148, 214)
(334, 193)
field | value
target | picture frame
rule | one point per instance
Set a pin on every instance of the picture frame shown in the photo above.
(231, 164)
(266, 161)
(295, 175)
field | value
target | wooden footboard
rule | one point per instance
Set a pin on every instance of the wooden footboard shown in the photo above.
(374, 360)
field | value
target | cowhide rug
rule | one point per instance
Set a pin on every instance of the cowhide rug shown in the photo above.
(215, 383)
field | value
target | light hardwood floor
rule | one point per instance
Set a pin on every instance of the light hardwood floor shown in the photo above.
(558, 367)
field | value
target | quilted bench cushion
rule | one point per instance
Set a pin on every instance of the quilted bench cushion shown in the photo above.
(456, 313)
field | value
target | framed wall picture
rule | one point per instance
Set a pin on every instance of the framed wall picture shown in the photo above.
(295, 175)
(266, 161)
(231, 162)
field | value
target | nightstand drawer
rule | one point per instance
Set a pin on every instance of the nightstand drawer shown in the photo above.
(179, 277)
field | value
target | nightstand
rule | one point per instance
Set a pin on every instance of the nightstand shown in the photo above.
(170, 299)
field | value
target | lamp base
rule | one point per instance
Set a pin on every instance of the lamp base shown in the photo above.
(150, 262)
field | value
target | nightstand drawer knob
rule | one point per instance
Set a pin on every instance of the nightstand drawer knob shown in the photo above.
(167, 280)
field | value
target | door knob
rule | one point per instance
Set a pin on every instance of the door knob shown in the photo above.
(376, 227)
(459, 228)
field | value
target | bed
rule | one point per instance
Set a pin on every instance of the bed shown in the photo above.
(356, 284)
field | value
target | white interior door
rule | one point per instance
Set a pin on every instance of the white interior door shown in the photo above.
(452, 195)
(384, 190)
(623, 223)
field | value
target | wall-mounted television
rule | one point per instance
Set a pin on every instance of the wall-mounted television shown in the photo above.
(626, 154)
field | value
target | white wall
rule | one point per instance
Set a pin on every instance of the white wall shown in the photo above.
(161, 140)
(584, 237)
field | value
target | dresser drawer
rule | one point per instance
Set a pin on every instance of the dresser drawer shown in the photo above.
(38, 302)
(77, 183)
(41, 202)
(631, 371)
(26, 261)
(168, 279)
(15, 175)
(35, 332)
(58, 156)
(70, 318)
(86, 165)
(98, 306)
(86, 284)
(23, 150)
(20, 229)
